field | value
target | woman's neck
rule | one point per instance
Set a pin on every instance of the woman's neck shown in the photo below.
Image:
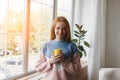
(58, 39)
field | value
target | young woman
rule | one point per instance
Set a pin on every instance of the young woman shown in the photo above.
(66, 65)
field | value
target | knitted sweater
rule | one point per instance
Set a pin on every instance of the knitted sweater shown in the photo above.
(67, 70)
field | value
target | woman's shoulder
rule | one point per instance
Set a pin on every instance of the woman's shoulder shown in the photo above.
(45, 42)
(72, 44)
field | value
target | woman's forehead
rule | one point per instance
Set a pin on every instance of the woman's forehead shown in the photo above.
(62, 24)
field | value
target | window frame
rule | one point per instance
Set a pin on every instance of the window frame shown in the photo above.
(26, 36)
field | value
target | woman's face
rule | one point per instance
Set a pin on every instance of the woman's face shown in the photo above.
(60, 31)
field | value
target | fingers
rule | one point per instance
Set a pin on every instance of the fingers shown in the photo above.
(57, 58)
(54, 60)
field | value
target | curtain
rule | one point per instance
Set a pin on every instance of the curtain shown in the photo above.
(92, 14)
(96, 56)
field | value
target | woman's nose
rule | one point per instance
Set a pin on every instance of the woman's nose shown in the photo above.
(60, 31)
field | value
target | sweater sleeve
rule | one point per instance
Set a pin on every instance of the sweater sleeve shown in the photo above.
(74, 66)
(43, 64)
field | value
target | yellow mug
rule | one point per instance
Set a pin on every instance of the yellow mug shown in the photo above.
(57, 52)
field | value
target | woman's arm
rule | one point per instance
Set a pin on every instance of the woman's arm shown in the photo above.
(74, 66)
(43, 64)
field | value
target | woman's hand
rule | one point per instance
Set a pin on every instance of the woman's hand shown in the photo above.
(56, 58)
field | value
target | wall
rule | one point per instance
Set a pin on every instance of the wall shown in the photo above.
(113, 34)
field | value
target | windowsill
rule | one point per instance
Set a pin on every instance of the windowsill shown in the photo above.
(31, 76)
(21, 75)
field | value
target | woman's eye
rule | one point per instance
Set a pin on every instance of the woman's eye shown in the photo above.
(58, 28)
(63, 28)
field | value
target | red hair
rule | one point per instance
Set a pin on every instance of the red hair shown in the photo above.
(66, 23)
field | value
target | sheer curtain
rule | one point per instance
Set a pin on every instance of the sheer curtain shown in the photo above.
(96, 57)
(92, 14)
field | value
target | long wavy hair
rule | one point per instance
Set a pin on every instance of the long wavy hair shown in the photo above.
(65, 23)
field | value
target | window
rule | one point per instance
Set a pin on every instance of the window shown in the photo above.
(24, 27)
(11, 35)
(40, 19)
(65, 9)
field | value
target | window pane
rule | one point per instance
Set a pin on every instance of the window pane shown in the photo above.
(40, 18)
(64, 8)
(11, 26)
